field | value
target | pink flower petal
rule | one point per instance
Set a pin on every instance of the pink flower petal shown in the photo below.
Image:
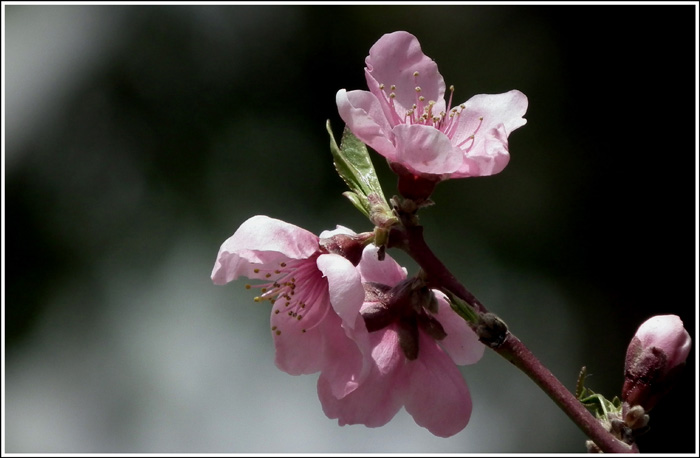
(378, 398)
(346, 292)
(297, 352)
(264, 241)
(461, 343)
(387, 272)
(339, 230)
(487, 156)
(344, 365)
(363, 115)
(393, 60)
(485, 112)
(425, 149)
(437, 396)
(298, 331)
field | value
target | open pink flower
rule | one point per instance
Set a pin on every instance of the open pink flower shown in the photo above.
(316, 297)
(404, 116)
(429, 386)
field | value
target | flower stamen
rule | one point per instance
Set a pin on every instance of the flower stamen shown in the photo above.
(300, 276)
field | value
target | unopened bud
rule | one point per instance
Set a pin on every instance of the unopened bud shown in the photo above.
(492, 331)
(655, 358)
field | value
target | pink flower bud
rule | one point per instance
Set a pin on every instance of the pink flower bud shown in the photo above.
(655, 357)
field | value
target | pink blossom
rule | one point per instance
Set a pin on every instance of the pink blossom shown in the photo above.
(655, 357)
(430, 386)
(405, 118)
(316, 297)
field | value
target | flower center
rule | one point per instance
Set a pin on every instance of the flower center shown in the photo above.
(422, 113)
(297, 290)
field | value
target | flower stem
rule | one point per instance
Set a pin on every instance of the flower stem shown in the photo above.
(517, 353)
(410, 239)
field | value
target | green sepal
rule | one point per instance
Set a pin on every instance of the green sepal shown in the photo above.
(353, 164)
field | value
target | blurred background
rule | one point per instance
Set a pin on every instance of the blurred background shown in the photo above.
(138, 138)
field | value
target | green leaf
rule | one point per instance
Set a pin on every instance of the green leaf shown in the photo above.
(353, 164)
(360, 202)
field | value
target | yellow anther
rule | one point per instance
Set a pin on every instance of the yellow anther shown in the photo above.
(248, 286)
(417, 88)
(278, 332)
(256, 270)
(393, 87)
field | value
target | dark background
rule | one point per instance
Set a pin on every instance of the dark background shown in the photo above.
(138, 138)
